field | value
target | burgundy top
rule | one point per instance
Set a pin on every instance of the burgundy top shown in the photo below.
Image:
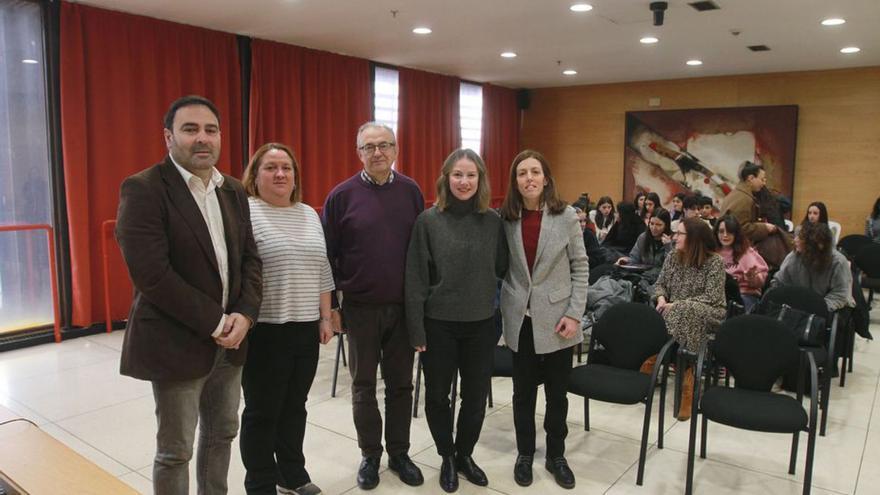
(531, 230)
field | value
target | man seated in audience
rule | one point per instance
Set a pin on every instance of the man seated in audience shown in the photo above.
(690, 207)
(707, 209)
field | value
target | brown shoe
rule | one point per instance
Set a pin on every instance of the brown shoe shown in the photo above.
(648, 366)
(687, 395)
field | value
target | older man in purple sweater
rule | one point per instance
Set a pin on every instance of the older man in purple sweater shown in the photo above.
(367, 220)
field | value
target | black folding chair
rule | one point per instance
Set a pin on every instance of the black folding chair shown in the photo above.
(804, 299)
(756, 350)
(630, 333)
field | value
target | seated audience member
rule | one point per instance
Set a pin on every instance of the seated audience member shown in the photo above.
(677, 210)
(872, 223)
(741, 260)
(689, 293)
(814, 263)
(706, 209)
(605, 217)
(652, 245)
(816, 212)
(584, 219)
(639, 201)
(652, 202)
(625, 231)
(689, 209)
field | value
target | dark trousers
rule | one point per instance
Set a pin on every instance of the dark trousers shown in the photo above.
(469, 348)
(529, 370)
(377, 333)
(281, 364)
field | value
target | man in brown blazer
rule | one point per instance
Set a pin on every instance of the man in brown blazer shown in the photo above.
(185, 233)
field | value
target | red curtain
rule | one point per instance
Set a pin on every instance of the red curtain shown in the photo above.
(313, 101)
(429, 127)
(119, 73)
(500, 141)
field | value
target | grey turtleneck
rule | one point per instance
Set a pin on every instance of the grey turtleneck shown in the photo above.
(452, 265)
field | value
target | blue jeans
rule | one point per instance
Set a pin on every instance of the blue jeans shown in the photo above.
(180, 405)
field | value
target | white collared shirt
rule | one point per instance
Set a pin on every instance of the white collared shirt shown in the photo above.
(209, 206)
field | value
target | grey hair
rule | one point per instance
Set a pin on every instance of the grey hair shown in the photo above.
(373, 125)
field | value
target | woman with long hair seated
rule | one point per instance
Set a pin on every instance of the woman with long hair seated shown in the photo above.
(741, 260)
(626, 230)
(652, 245)
(814, 263)
(690, 294)
(652, 202)
(604, 217)
(816, 212)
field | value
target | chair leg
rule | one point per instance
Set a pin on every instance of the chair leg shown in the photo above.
(491, 403)
(703, 432)
(646, 428)
(808, 468)
(580, 351)
(794, 448)
(852, 350)
(342, 345)
(586, 414)
(825, 397)
(661, 411)
(418, 387)
(843, 360)
(692, 441)
(340, 351)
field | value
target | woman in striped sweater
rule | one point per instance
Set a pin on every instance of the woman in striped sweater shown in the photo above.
(294, 318)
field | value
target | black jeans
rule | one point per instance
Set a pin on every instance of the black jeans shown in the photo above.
(281, 364)
(469, 348)
(377, 332)
(529, 370)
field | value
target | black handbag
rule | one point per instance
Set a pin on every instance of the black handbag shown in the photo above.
(810, 330)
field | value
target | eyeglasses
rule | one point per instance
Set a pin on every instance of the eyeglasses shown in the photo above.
(371, 148)
(679, 233)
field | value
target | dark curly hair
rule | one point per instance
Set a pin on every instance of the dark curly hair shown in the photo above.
(815, 245)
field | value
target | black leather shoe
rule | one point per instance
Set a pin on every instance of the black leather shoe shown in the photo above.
(368, 473)
(522, 470)
(466, 466)
(448, 475)
(561, 472)
(408, 472)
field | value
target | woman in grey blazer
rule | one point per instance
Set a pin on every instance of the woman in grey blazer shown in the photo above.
(543, 297)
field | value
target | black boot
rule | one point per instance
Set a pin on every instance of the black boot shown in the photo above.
(448, 474)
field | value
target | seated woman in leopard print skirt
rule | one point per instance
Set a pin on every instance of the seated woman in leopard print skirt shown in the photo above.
(690, 294)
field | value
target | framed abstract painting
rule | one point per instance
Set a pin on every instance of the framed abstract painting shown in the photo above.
(702, 150)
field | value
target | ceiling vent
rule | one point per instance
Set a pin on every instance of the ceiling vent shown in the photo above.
(759, 48)
(705, 5)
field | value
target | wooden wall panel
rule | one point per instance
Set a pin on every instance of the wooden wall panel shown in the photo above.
(581, 130)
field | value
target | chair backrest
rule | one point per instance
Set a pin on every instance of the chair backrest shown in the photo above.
(756, 350)
(851, 245)
(802, 298)
(868, 260)
(835, 230)
(592, 215)
(789, 225)
(630, 333)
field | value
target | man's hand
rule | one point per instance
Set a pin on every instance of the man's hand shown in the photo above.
(567, 327)
(421, 348)
(234, 331)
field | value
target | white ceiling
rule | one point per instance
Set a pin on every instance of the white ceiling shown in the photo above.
(602, 45)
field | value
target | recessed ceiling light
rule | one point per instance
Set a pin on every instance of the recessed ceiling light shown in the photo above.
(850, 49)
(694, 62)
(570, 72)
(581, 7)
(29, 61)
(834, 21)
(422, 30)
(508, 55)
(648, 40)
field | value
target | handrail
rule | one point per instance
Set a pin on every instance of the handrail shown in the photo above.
(50, 239)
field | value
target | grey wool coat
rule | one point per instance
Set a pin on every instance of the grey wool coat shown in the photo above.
(557, 286)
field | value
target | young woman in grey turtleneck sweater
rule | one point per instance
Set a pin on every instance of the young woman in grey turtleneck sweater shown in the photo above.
(456, 254)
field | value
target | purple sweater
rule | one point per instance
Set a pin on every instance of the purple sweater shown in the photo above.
(367, 228)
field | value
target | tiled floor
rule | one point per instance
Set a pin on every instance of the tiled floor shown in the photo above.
(74, 392)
